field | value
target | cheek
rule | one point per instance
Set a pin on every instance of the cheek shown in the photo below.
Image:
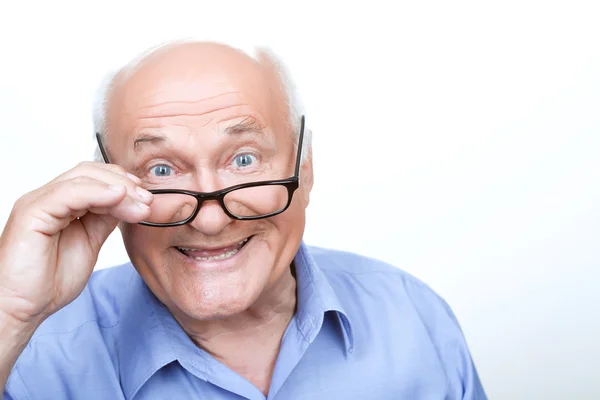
(143, 243)
(132, 235)
(291, 219)
(289, 226)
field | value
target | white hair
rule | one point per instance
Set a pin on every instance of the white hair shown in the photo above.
(294, 106)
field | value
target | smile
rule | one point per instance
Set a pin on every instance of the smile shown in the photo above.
(215, 254)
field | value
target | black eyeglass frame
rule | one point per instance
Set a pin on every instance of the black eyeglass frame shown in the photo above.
(291, 184)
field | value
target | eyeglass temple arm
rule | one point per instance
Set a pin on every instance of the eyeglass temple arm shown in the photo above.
(300, 141)
(101, 147)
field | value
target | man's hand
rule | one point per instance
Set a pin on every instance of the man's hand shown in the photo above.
(53, 236)
(51, 242)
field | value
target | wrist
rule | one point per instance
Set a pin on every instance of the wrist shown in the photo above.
(14, 336)
(19, 312)
(16, 331)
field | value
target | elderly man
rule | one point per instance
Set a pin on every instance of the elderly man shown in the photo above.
(207, 172)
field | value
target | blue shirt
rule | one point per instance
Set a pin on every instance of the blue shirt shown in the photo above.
(363, 330)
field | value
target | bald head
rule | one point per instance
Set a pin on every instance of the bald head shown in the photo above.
(197, 56)
(181, 74)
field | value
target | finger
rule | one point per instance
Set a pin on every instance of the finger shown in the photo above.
(86, 166)
(111, 174)
(58, 204)
(98, 228)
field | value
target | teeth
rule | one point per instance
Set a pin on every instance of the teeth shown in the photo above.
(222, 256)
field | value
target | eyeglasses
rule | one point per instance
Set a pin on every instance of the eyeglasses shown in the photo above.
(246, 201)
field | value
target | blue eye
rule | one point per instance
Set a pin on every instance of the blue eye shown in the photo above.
(244, 160)
(162, 170)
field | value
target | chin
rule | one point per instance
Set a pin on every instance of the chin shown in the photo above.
(205, 289)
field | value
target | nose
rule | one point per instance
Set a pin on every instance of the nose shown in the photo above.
(211, 219)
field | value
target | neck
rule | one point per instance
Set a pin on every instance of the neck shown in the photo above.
(249, 342)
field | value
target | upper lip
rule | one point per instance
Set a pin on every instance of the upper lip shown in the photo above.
(211, 248)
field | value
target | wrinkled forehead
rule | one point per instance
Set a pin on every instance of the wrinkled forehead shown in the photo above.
(203, 82)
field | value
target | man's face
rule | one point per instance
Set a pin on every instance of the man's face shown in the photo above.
(204, 118)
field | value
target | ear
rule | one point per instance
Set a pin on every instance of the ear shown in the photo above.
(306, 178)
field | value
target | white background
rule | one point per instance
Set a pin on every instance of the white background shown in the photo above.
(459, 141)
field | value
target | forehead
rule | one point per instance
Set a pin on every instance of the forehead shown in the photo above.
(203, 83)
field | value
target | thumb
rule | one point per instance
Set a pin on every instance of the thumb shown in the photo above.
(98, 227)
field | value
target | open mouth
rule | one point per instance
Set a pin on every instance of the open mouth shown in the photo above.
(216, 254)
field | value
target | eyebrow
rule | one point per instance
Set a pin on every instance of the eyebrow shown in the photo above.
(148, 138)
(247, 125)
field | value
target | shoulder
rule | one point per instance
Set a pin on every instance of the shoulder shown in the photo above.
(343, 268)
(99, 303)
(366, 283)
(384, 296)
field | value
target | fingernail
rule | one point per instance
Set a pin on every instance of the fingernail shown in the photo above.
(133, 177)
(143, 206)
(144, 194)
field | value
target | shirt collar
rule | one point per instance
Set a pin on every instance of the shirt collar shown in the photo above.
(150, 338)
(316, 297)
